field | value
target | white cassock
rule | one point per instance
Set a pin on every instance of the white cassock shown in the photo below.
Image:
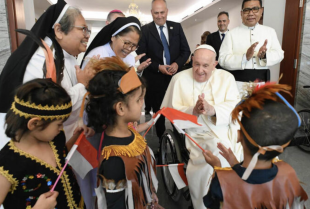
(238, 40)
(69, 83)
(221, 92)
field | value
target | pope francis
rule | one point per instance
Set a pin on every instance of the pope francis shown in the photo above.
(210, 94)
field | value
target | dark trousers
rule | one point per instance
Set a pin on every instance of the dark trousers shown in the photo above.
(148, 101)
(156, 98)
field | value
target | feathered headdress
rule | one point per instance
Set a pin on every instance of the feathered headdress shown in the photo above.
(260, 94)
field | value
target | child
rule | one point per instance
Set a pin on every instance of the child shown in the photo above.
(115, 63)
(31, 162)
(127, 166)
(268, 124)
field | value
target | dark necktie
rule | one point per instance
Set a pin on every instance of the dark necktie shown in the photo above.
(165, 44)
(223, 36)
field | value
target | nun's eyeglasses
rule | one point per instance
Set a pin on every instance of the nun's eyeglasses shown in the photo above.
(129, 45)
(85, 29)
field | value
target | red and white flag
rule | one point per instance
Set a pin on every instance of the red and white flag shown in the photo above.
(178, 175)
(181, 119)
(82, 156)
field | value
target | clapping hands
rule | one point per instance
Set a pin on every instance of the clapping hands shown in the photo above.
(203, 107)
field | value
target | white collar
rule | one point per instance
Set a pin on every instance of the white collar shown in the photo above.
(67, 55)
(157, 26)
(251, 28)
(110, 50)
(223, 32)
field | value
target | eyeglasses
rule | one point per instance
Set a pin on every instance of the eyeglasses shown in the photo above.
(248, 10)
(85, 30)
(129, 45)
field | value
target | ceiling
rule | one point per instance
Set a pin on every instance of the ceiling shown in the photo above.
(210, 11)
(188, 12)
(98, 9)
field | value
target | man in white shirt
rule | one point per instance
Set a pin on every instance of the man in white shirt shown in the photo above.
(251, 45)
(215, 39)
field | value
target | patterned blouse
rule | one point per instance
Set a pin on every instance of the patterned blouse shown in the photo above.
(30, 177)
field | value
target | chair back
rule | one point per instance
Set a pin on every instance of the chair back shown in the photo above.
(251, 75)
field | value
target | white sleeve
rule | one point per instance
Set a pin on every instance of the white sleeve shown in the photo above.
(274, 54)
(96, 51)
(223, 110)
(34, 68)
(177, 96)
(77, 93)
(227, 59)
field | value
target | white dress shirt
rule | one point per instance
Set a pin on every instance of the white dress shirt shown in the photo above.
(165, 31)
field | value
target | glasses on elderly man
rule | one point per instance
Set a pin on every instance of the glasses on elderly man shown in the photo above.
(85, 30)
(129, 45)
(248, 10)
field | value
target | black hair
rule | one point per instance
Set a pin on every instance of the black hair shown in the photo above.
(275, 124)
(260, 2)
(223, 13)
(38, 91)
(104, 94)
(129, 29)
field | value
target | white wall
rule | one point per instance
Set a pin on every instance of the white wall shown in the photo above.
(193, 33)
(273, 17)
(29, 13)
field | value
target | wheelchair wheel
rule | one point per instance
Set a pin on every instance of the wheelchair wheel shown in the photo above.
(168, 156)
(303, 133)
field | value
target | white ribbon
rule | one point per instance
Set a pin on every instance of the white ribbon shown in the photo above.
(253, 162)
(125, 26)
(129, 195)
(64, 10)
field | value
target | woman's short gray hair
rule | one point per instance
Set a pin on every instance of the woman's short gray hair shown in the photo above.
(68, 20)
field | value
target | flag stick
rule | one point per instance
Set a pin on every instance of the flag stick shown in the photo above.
(194, 142)
(183, 132)
(61, 172)
(70, 154)
(155, 120)
(158, 166)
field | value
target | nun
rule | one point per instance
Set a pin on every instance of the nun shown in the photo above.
(65, 31)
(119, 38)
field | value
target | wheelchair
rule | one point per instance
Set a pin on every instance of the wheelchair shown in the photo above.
(173, 151)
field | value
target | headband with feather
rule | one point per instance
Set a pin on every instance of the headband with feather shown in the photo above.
(260, 94)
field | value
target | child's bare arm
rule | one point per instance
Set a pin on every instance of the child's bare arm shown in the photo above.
(5, 186)
(212, 159)
(227, 154)
(142, 127)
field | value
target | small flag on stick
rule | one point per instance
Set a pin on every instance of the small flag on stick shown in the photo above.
(82, 157)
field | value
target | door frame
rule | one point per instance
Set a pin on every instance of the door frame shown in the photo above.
(291, 45)
(16, 19)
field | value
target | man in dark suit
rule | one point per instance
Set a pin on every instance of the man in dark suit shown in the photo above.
(165, 43)
(215, 39)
